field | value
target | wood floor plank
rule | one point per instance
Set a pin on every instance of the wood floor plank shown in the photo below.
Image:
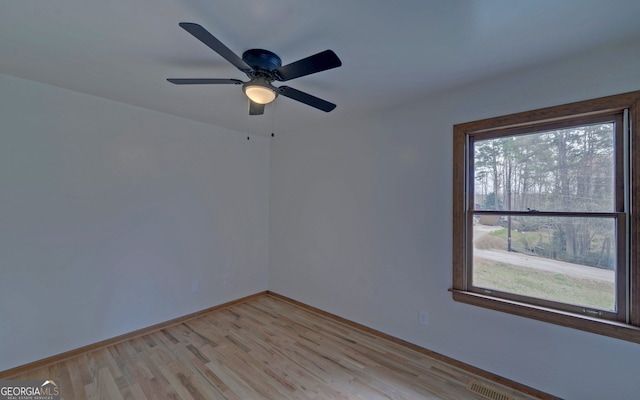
(263, 348)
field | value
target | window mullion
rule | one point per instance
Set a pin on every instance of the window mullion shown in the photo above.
(634, 217)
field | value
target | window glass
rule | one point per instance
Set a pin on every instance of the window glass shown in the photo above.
(562, 259)
(569, 169)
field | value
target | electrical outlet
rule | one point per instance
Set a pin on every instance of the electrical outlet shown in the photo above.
(195, 286)
(226, 279)
(424, 318)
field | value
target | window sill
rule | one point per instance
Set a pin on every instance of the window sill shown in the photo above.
(612, 329)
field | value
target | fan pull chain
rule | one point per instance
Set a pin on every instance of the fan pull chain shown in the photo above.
(273, 117)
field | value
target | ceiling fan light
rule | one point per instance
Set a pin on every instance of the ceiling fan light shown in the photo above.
(260, 94)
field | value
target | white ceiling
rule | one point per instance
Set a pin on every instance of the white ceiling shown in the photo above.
(392, 52)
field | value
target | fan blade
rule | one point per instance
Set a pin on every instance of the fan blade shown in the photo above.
(197, 81)
(306, 98)
(214, 44)
(255, 108)
(310, 65)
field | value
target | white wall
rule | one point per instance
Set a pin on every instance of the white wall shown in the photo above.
(360, 226)
(108, 212)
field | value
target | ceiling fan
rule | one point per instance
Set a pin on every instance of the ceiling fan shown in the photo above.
(262, 68)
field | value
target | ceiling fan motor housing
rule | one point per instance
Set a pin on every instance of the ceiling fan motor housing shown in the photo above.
(262, 61)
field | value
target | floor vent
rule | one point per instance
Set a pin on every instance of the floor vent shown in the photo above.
(486, 392)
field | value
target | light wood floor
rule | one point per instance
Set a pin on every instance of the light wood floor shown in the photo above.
(265, 348)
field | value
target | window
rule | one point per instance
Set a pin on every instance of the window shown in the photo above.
(545, 221)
